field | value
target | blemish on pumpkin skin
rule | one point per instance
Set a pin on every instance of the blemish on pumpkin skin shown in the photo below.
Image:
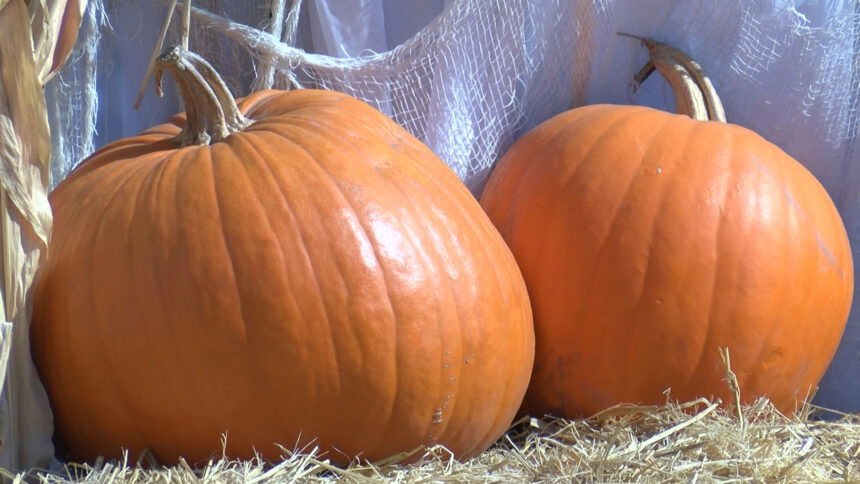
(382, 168)
(828, 254)
(773, 358)
(437, 416)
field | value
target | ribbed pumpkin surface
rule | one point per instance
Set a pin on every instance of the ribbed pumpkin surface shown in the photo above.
(649, 240)
(321, 276)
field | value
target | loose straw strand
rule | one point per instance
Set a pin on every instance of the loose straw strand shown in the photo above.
(734, 386)
(186, 24)
(157, 50)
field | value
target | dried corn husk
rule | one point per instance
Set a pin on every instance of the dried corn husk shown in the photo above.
(37, 37)
(54, 25)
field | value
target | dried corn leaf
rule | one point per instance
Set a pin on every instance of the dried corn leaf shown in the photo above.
(23, 101)
(54, 25)
(25, 224)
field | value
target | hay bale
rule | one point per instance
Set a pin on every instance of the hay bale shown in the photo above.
(698, 441)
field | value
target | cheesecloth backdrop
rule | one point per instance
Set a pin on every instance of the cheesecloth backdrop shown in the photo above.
(469, 76)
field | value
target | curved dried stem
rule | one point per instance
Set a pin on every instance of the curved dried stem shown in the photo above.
(695, 95)
(211, 111)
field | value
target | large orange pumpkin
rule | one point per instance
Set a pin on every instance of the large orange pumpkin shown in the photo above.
(650, 240)
(301, 271)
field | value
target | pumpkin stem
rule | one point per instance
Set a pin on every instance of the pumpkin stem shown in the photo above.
(211, 112)
(695, 95)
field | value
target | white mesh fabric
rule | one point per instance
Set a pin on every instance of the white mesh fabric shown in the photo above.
(485, 71)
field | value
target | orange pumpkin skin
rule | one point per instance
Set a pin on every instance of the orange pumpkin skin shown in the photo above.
(649, 240)
(319, 278)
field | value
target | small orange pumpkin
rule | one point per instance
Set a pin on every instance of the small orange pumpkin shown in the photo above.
(294, 270)
(650, 240)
